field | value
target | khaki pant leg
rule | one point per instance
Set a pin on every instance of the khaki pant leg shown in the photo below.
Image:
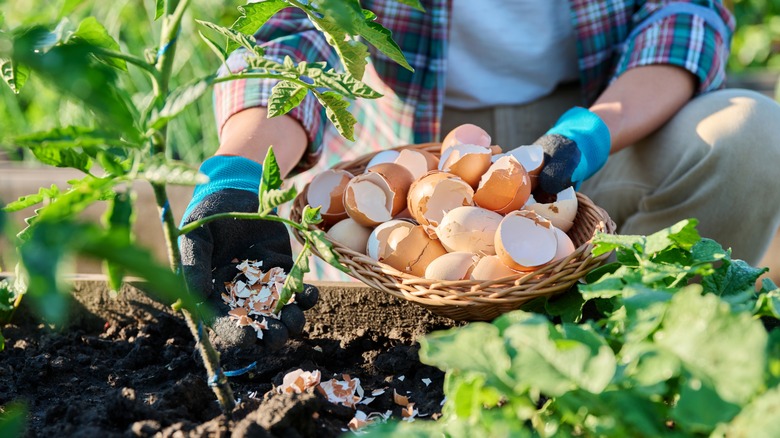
(716, 161)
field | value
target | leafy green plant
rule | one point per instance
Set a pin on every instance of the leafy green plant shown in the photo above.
(672, 339)
(125, 142)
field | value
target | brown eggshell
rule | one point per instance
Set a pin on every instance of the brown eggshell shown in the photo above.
(385, 237)
(491, 268)
(327, 191)
(467, 161)
(377, 195)
(466, 134)
(399, 179)
(504, 187)
(434, 194)
(451, 266)
(525, 240)
(417, 162)
(350, 234)
(532, 159)
(469, 229)
(415, 252)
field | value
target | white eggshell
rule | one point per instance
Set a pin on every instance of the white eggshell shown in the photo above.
(387, 156)
(525, 240)
(470, 229)
(451, 266)
(418, 163)
(561, 212)
(564, 245)
(385, 237)
(434, 194)
(350, 234)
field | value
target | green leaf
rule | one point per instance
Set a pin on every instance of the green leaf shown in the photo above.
(235, 38)
(71, 137)
(604, 243)
(682, 234)
(2, 348)
(759, 419)
(30, 200)
(382, 39)
(214, 46)
(14, 74)
(272, 176)
(311, 215)
(325, 249)
(13, 420)
(343, 83)
(414, 4)
(62, 157)
(164, 171)
(274, 198)
(700, 408)
(179, 99)
(159, 9)
(732, 278)
(336, 110)
(567, 305)
(285, 96)
(118, 219)
(253, 17)
(92, 32)
(294, 281)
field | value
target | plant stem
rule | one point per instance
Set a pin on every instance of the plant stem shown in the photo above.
(252, 216)
(138, 62)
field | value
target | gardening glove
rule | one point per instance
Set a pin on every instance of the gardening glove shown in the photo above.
(575, 148)
(211, 252)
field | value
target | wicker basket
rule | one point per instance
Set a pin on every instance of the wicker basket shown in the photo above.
(472, 300)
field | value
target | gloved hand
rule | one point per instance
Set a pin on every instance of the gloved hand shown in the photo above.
(575, 148)
(209, 253)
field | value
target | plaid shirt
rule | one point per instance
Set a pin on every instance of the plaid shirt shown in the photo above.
(612, 37)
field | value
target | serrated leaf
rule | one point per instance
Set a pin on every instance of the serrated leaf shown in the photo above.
(272, 177)
(285, 96)
(72, 136)
(275, 197)
(30, 200)
(325, 249)
(110, 163)
(179, 99)
(14, 74)
(352, 53)
(294, 281)
(381, 38)
(239, 39)
(253, 17)
(604, 243)
(682, 234)
(162, 171)
(343, 83)
(62, 157)
(159, 9)
(311, 215)
(336, 110)
(732, 278)
(94, 33)
(214, 46)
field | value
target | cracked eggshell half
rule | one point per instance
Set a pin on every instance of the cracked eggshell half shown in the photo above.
(451, 266)
(384, 239)
(434, 194)
(565, 245)
(525, 240)
(466, 134)
(491, 268)
(504, 187)
(417, 162)
(386, 156)
(350, 234)
(377, 195)
(414, 252)
(561, 212)
(469, 229)
(468, 161)
(532, 159)
(326, 190)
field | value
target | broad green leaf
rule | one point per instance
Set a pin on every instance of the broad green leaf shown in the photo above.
(237, 39)
(112, 164)
(179, 99)
(336, 110)
(285, 96)
(759, 419)
(159, 9)
(604, 243)
(325, 249)
(648, 369)
(62, 157)
(13, 420)
(14, 74)
(70, 137)
(343, 83)
(163, 171)
(708, 250)
(353, 53)
(768, 304)
(92, 32)
(118, 219)
(567, 305)
(732, 278)
(682, 234)
(700, 408)
(645, 309)
(275, 197)
(214, 46)
(414, 4)
(715, 345)
(30, 200)
(253, 17)
(381, 38)
(272, 176)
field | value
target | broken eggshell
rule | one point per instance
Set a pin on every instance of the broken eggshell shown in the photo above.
(525, 240)
(504, 187)
(417, 162)
(491, 268)
(377, 195)
(384, 239)
(350, 234)
(466, 134)
(414, 252)
(530, 156)
(451, 266)
(561, 212)
(470, 229)
(467, 161)
(326, 190)
(434, 194)
(386, 156)
(565, 245)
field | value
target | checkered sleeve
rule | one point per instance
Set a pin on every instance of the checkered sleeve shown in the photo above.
(288, 33)
(694, 35)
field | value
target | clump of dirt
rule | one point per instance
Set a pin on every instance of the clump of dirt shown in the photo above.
(138, 374)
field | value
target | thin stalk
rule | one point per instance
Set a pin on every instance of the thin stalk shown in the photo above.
(130, 59)
(235, 215)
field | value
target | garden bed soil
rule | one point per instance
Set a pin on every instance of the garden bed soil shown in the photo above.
(127, 366)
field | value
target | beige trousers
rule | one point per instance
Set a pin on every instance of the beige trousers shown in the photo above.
(716, 160)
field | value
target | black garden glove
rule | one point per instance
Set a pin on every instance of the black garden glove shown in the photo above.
(211, 252)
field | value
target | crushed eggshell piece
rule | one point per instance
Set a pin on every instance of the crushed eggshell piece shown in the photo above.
(299, 381)
(427, 381)
(399, 399)
(347, 392)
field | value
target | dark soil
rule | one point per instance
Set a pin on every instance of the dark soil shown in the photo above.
(132, 370)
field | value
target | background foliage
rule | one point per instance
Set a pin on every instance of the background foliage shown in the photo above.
(756, 46)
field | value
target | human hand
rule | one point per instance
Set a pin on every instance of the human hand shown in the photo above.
(574, 149)
(209, 253)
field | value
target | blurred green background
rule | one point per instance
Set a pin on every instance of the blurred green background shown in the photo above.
(755, 49)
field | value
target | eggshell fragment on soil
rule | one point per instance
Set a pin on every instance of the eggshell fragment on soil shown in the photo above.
(471, 229)
(466, 134)
(326, 190)
(350, 234)
(451, 266)
(415, 252)
(434, 194)
(347, 392)
(377, 195)
(504, 187)
(467, 161)
(561, 212)
(299, 381)
(525, 240)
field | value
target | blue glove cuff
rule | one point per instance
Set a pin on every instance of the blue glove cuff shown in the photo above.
(226, 172)
(591, 135)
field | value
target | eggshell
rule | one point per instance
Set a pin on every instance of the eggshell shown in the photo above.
(384, 239)
(525, 240)
(377, 195)
(415, 252)
(466, 134)
(491, 268)
(469, 229)
(451, 266)
(434, 194)
(386, 156)
(564, 246)
(561, 212)
(326, 190)
(504, 187)
(350, 234)
(417, 162)
(532, 159)
(467, 161)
